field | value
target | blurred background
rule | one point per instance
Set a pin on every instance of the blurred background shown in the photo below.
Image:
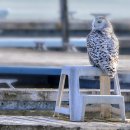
(52, 33)
(59, 18)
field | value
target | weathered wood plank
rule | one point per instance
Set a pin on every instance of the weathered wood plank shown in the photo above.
(43, 99)
(60, 90)
(26, 105)
(46, 94)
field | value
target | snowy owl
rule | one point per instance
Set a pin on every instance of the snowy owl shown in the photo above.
(103, 46)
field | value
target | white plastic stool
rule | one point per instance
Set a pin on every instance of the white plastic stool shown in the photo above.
(78, 101)
(8, 82)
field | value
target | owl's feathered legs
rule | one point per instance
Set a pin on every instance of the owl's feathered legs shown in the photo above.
(110, 72)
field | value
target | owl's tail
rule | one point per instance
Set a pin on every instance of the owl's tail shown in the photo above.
(110, 71)
(112, 75)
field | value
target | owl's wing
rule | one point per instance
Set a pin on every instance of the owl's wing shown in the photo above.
(89, 52)
(92, 49)
(109, 51)
(103, 53)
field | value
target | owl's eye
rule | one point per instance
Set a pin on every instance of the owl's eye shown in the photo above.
(99, 21)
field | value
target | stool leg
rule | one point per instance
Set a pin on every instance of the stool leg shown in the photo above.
(83, 108)
(122, 109)
(105, 90)
(60, 90)
(74, 97)
(117, 85)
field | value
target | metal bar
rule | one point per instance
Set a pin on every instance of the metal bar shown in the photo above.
(30, 70)
(64, 23)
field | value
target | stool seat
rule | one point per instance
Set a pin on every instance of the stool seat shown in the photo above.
(77, 100)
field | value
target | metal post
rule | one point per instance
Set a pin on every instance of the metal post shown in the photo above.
(65, 24)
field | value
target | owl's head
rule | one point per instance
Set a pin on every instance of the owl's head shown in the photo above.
(101, 23)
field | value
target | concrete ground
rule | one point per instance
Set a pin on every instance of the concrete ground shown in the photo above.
(46, 123)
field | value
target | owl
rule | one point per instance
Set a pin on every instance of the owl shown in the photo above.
(103, 46)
